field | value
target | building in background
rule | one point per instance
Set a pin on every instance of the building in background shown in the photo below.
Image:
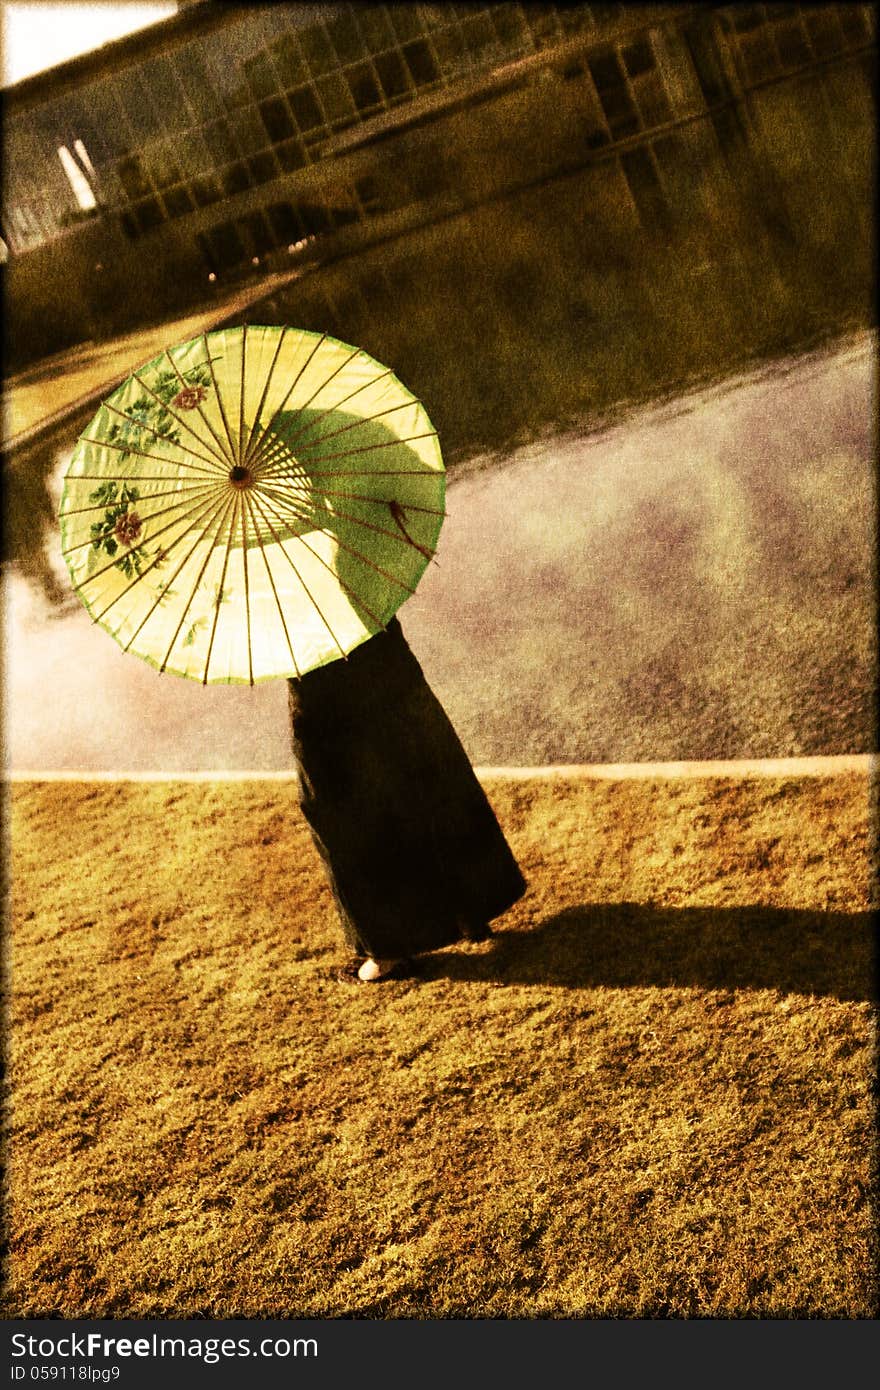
(228, 140)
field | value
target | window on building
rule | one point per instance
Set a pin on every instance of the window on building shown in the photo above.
(205, 190)
(646, 188)
(336, 99)
(277, 119)
(855, 24)
(292, 155)
(289, 62)
(132, 177)
(406, 21)
(451, 50)
(284, 223)
(318, 50)
(177, 202)
(611, 85)
(261, 76)
(263, 167)
(76, 177)
(195, 81)
(346, 38)
(249, 130)
(375, 26)
(543, 24)
(148, 214)
(306, 109)
(364, 87)
(222, 247)
(82, 155)
(392, 75)
(163, 164)
(510, 27)
(234, 178)
(420, 61)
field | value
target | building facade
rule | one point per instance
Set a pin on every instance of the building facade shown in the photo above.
(228, 139)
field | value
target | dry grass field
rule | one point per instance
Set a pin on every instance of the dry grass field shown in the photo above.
(648, 1095)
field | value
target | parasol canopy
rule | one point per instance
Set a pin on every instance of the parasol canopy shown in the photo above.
(252, 504)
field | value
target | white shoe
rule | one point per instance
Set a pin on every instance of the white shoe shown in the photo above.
(372, 970)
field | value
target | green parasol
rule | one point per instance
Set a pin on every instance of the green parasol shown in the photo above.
(252, 504)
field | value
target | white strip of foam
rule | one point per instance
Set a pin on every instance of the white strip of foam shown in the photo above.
(863, 763)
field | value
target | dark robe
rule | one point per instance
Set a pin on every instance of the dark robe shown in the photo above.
(415, 856)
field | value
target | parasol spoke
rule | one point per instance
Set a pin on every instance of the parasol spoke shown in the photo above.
(386, 501)
(214, 470)
(144, 497)
(254, 446)
(355, 598)
(234, 456)
(247, 592)
(326, 382)
(215, 475)
(222, 458)
(357, 520)
(349, 549)
(241, 405)
(362, 449)
(142, 424)
(96, 574)
(111, 527)
(305, 586)
(198, 405)
(230, 503)
(271, 579)
(352, 425)
(208, 514)
(265, 392)
(331, 409)
(235, 504)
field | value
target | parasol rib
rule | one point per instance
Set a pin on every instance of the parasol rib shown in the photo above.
(210, 508)
(358, 521)
(110, 529)
(271, 578)
(221, 458)
(234, 455)
(235, 504)
(355, 597)
(214, 470)
(209, 514)
(349, 549)
(255, 421)
(290, 390)
(185, 384)
(364, 449)
(300, 408)
(386, 501)
(322, 415)
(216, 465)
(241, 408)
(96, 574)
(247, 592)
(284, 442)
(144, 497)
(195, 590)
(305, 586)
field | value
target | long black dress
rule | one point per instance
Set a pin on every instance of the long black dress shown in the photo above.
(415, 855)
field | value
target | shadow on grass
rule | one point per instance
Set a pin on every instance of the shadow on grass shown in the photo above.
(621, 945)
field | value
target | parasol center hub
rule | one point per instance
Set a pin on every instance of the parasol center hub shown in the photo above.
(240, 476)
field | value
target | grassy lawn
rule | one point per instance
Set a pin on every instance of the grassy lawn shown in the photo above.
(649, 1094)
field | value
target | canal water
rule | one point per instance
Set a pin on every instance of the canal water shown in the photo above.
(691, 579)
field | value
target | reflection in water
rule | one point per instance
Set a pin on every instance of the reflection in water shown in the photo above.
(677, 586)
(545, 307)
